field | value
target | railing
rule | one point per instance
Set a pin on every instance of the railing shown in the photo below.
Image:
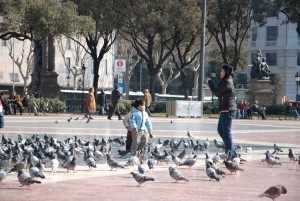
(270, 43)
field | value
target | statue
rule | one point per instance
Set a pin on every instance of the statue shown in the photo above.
(260, 69)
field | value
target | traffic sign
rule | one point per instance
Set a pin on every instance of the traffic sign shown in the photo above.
(120, 66)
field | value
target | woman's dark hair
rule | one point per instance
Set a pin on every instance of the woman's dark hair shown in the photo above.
(138, 102)
(229, 71)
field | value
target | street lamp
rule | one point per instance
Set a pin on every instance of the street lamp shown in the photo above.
(83, 68)
(213, 75)
(297, 78)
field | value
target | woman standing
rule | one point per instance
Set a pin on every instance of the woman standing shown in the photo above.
(227, 106)
(90, 104)
(1, 115)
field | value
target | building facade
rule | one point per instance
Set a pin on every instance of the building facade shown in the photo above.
(280, 45)
(68, 55)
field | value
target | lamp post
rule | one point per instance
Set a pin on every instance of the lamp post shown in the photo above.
(297, 78)
(83, 68)
(213, 75)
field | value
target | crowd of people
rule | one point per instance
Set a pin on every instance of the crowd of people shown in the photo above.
(246, 111)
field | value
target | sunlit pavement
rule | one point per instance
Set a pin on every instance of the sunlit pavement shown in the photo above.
(103, 184)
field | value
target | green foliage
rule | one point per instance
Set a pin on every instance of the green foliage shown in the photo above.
(50, 105)
(210, 108)
(158, 107)
(275, 109)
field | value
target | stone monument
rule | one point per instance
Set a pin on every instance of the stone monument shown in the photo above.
(260, 84)
(44, 78)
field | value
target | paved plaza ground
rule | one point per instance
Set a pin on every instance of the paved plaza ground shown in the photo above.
(103, 184)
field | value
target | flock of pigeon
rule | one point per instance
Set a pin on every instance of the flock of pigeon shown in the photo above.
(32, 153)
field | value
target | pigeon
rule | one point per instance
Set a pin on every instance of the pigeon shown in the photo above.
(133, 160)
(216, 158)
(141, 168)
(189, 162)
(171, 121)
(26, 180)
(175, 174)
(151, 164)
(211, 173)
(248, 149)
(292, 156)
(190, 135)
(140, 178)
(76, 118)
(56, 121)
(35, 172)
(208, 159)
(206, 144)
(271, 161)
(217, 169)
(239, 148)
(276, 148)
(219, 145)
(69, 119)
(232, 167)
(175, 159)
(123, 153)
(112, 163)
(70, 164)
(54, 163)
(3, 174)
(274, 192)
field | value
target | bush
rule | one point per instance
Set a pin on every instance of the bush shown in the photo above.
(50, 105)
(210, 108)
(158, 107)
(275, 109)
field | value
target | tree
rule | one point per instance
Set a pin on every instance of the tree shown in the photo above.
(100, 39)
(19, 61)
(229, 23)
(291, 9)
(277, 87)
(167, 75)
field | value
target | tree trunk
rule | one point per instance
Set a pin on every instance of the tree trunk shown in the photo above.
(185, 89)
(164, 88)
(96, 74)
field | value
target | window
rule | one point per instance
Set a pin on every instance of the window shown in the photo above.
(298, 58)
(68, 63)
(253, 58)
(272, 33)
(106, 70)
(2, 42)
(254, 33)
(271, 12)
(271, 59)
(68, 44)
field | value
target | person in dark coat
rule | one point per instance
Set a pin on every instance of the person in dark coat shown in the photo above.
(225, 91)
(115, 97)
(102, 102)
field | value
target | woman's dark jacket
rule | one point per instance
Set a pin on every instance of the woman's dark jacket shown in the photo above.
(225, 93)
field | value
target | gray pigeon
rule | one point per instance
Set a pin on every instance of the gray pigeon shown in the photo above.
(70, 164)
(26, 180)
(142, 168)
(175, 159)
(276, 148)
(3, 174)
(271, 161)
(35, 172)
(140, 178)
(175, 174)
(274, 192)
(112, 163)
(232, 166)
(189, 162)
(211, 173)
(151, 164)
(292, 156)
(219, 145)
(206, 144)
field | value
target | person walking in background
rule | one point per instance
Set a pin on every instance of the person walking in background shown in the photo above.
(139, 122)
(1, 115)
(5, 104)
(148, 100)
(126, 123)
(90, 104)
(15, 101)
(101, 102)
(115, 97)
(259, 110)
(225, 91)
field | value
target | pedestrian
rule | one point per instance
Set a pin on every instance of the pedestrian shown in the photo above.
(101, 102)
(5, 104)
(147, 99)
(1, 115)
(126, 123)
(256, 108)
(140, 124)
(115, 98)
(90, 104)
(227, 107)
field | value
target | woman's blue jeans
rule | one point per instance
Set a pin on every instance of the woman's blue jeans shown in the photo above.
(224, 130)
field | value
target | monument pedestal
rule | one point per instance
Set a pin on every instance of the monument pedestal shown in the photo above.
(260, 90)
(48, 87)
